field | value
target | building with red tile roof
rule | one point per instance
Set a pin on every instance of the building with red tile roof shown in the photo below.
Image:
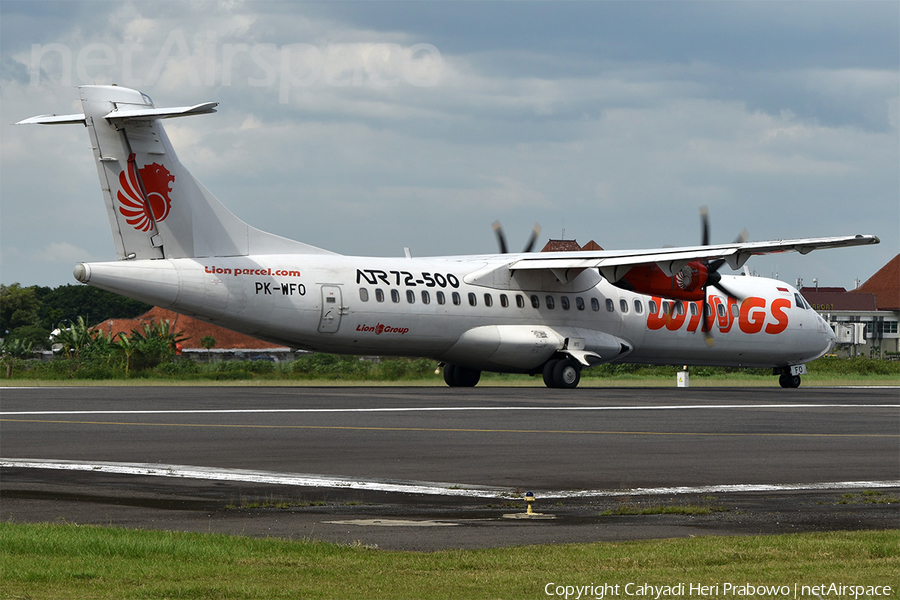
(227, 342)
(885, 284)
(865, 319)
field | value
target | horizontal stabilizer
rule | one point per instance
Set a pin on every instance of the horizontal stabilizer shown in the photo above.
(131, 114)
(149, 114)
(53, 120)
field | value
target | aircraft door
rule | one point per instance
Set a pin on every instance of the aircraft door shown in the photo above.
(332, 309)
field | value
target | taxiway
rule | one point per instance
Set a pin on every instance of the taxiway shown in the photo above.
(182, 457)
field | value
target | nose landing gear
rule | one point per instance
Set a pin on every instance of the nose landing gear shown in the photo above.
(788, 380)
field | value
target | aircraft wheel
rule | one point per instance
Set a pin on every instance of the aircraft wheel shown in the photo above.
(456, 376)
(467, 377)
(450, 375)
(789, 381)
(548, 373)
(567, 373)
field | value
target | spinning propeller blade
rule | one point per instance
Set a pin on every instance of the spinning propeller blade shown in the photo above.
(501, 239)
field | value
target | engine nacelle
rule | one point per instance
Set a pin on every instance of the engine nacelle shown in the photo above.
(687, 284)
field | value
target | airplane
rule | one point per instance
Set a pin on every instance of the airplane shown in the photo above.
(550, 313)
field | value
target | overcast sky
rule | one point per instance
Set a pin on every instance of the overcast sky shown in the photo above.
(364, 127)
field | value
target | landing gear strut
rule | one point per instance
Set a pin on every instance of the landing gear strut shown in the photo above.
(562, 373)
(456, 376)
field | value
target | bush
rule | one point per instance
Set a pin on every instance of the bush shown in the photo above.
(859, 365)
(330, 366)
(405, 368)
(96, 371)
(181, 366)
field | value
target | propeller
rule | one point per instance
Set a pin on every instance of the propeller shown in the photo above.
(501, 239)
(714, 279)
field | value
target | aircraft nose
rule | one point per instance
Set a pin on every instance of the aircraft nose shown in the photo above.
(828, 334)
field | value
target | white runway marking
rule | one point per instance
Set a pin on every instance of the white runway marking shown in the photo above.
(436, 409)
(410, 487)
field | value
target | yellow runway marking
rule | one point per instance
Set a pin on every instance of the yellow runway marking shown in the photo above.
(460, 430)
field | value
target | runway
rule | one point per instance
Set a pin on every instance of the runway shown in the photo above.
(445, 449)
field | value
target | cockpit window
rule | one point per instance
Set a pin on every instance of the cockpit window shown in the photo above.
(800, 301)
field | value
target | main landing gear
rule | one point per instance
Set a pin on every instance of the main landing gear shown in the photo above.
(562, 373)
(558, 373)
(457, 376)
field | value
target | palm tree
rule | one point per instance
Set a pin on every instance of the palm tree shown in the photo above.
(128, 347)
(76, 337)
(12, 350)
(208, 342)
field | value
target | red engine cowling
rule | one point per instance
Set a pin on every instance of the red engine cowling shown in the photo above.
(686, 284)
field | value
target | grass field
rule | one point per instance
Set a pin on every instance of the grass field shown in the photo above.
(735, 380)
(68, 561)
(327, 369)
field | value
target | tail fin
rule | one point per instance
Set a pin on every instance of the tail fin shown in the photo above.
(156, 208)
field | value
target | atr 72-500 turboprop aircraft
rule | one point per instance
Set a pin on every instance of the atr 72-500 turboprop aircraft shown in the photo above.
(549, 313)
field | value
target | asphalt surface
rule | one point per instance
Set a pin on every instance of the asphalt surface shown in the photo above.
(433, 468)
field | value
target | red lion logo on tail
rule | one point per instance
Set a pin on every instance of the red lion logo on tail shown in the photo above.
(157, 183)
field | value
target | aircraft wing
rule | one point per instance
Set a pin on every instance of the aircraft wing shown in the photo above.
(614, 264)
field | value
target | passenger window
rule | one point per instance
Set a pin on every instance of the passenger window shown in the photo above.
(579, 303)
(694, 310)
(564, 302)
(440, 297)
(638, 306)
(488, 300)
(721, 310)
(535, 302)
(410, 296)
(520, 300)
(623, 306)
(653, 307)
(395, 296)
(735, 310)
(473, 299)
(426, 297)
(379, 294)
(364, 294)
(456, 299)
(595, 304)
(504, 301)
(679, 307)
(610, 307)
(550, 302)
(667, 308)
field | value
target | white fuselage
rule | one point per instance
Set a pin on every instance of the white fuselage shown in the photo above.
(469, 310)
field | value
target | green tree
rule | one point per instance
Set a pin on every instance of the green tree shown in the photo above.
(208, 342)
(128, 348)
(156, 343)
(12, 351)
(18, 306)
(37, 335)
(78, 340)
(68, 302)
